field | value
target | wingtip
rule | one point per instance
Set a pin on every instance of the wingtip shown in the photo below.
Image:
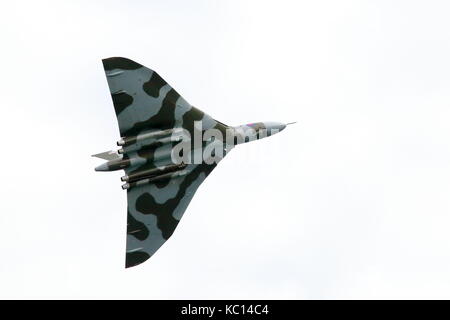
(135, 258)
(120, 63)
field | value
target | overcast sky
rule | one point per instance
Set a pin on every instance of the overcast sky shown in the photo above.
(351, 202)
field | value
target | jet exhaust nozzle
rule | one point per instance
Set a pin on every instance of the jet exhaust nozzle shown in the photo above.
(148, 137)
(152, 172)
(120, 142)
(142, 182)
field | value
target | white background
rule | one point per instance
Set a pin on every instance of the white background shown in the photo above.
(352, 202)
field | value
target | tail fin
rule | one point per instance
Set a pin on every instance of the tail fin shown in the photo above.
(107, 155)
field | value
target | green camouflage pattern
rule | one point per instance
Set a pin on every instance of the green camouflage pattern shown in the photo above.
(151, 115)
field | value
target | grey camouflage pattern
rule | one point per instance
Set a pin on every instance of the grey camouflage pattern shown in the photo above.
(151, 117)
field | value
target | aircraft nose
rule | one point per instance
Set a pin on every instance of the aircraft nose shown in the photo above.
(274, 127)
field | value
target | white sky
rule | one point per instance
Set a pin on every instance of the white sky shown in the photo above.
(352, 202)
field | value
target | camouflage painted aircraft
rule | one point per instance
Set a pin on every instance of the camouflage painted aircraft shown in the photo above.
(153, 118)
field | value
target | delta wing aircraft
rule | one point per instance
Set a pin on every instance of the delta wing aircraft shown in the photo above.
(167, 149)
